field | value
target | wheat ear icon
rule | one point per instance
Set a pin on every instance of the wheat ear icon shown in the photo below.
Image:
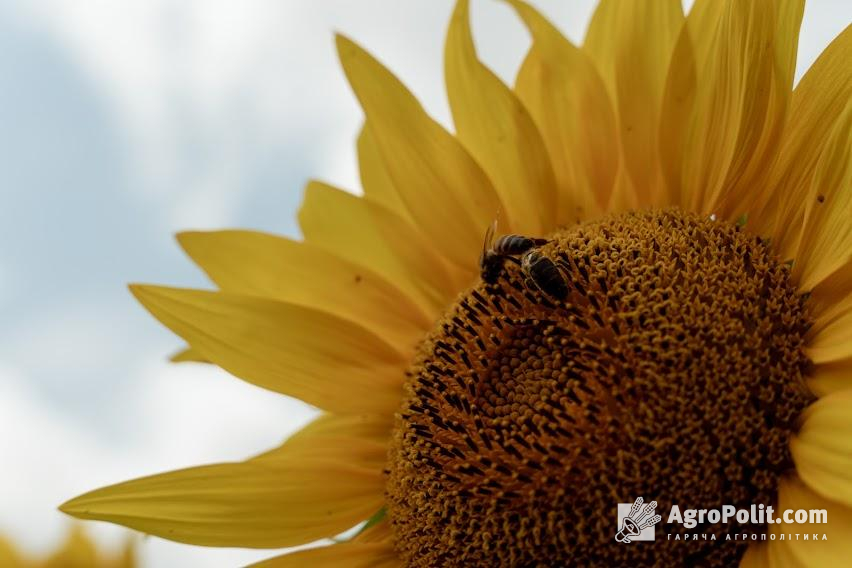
(636, 520)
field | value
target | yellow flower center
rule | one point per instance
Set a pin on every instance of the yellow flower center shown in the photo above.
(670, 367)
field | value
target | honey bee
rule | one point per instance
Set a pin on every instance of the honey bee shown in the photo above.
(543, 273)
(496, 252)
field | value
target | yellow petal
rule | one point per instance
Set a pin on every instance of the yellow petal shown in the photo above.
(9, 555)
(375, 179)
(831, 377)
(360, 440)
(833, 342)
(822, 449)
(567, 98)
(379, 532)
(127, 557)
(764, 114)
(262, 265)
(443, 189)
(499, 132)
(678, 100)
(632, 43)
(368, 234)
(254, 504)
(744, 52)
(817, 103)
(647, 34)
(76, 552)
(831, 298)
(311, 355)
(188, 355)
(347, 555)
(833, 552)
(600, 42)
(826, 240)
(624, 196)
(324, 479)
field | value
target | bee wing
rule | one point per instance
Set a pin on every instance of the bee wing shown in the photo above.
(489, 236)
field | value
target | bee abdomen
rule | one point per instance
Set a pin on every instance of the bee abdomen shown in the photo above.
(550, 279)
(545, 275)
(516, 244)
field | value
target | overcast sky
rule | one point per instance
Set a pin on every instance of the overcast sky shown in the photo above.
(124, 122)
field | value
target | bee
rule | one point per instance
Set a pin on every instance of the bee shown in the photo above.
(544, 274)
(496, 252)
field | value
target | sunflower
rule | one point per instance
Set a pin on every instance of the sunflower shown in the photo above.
(672, 317)
(77, 551)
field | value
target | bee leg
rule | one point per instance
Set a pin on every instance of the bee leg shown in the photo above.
(564, 267)
(568, 272)
(547, 298)
(512, 259)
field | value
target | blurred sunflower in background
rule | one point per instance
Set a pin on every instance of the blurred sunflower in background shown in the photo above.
(672, 317)
(78, 551)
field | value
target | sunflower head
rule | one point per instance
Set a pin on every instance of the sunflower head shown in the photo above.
(665, 311)
(674, 366)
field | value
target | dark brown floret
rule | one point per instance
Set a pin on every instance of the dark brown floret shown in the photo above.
(672, 369)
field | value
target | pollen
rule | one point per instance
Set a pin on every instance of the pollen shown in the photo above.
(673, 369)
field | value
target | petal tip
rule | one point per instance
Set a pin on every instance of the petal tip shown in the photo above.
(461, 15)
(186, 238)
(74, 507)
(142, 291)
(346, 47)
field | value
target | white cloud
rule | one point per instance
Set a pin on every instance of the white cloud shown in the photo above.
(56, 342)
(43, 455)
(201, 86)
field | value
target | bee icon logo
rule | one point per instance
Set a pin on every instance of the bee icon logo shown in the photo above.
(636, 522)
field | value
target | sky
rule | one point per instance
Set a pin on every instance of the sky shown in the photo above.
(122, 123)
